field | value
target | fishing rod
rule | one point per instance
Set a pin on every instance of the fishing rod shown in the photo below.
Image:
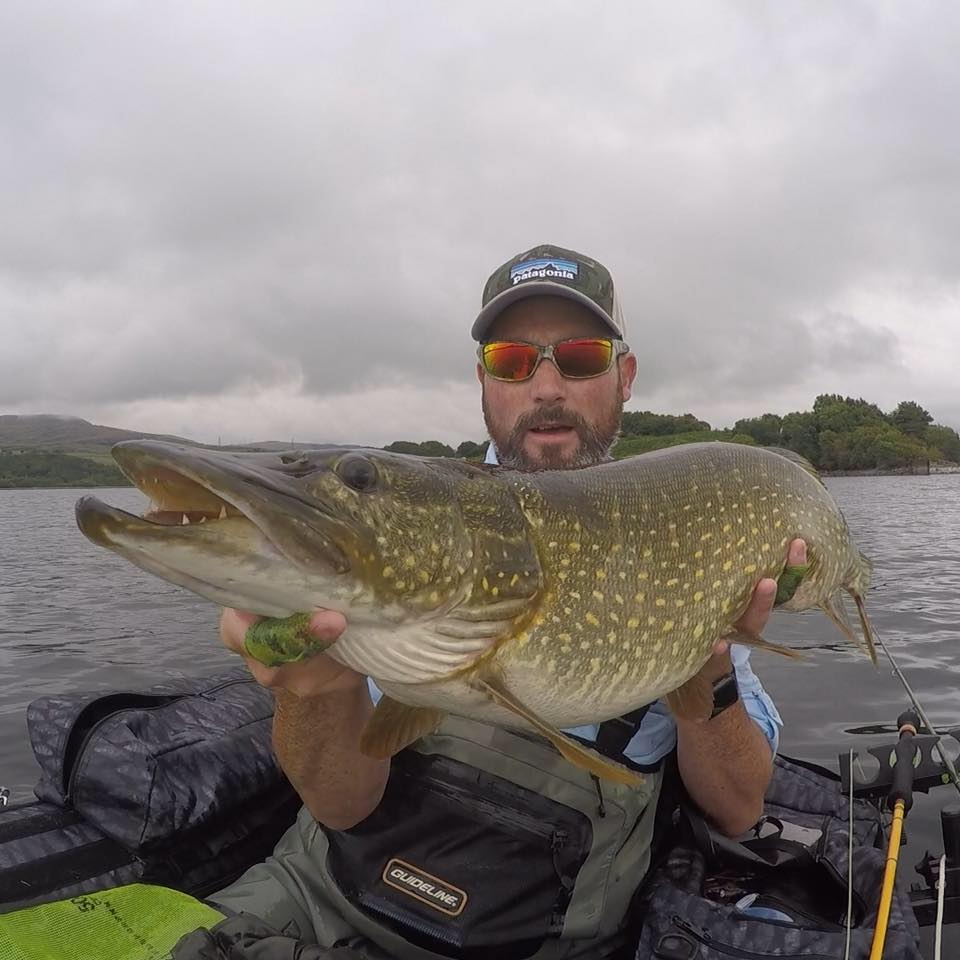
(921, 713)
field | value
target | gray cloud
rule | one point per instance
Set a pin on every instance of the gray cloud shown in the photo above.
(212, 202)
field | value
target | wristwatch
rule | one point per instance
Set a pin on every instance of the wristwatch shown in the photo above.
(725, 693)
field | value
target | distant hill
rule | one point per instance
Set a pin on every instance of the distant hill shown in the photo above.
(51, 432)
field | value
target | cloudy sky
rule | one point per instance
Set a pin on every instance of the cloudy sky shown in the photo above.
(273, 221)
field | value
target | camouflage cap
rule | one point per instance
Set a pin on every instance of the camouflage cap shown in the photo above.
(552, 271)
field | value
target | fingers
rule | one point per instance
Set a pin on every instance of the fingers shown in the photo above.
(756, 615)
(797, 554)
(233, 628)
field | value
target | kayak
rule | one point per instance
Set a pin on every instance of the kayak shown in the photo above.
(177, 786)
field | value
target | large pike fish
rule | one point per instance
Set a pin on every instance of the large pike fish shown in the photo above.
(533, 600)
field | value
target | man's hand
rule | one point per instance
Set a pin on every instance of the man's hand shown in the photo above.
(754, 620)
(725, 762)
(316, 676)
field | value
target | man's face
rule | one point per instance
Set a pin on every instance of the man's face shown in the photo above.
(549, 422)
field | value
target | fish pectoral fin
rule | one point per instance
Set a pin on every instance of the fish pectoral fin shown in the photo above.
(575, 753)
(750, 639)
(692, 700)
(394, 726)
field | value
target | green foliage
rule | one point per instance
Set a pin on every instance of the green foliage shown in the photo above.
(944, 442)
(911, 419)
(647, 424)
(765, 430)
(429, 448)
(56, 470)
(798, 431)
(843, 414)
(631, 446)
(469, 450)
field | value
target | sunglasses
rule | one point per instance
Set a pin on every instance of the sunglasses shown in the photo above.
(578, 359)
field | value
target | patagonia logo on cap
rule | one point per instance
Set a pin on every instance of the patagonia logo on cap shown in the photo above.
(544, 268)
(424, 887)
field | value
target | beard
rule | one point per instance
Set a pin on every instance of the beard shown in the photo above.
(595, 440)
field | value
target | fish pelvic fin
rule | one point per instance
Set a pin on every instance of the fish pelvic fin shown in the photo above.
(692, 700)
(748, 638)
(394, 726)
(580, 756)
(869, 644)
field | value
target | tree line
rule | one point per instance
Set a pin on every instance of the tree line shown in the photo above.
(839, 433)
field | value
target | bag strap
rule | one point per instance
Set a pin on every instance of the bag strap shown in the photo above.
(614, 735)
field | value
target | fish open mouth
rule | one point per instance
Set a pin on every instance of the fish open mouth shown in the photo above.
(237, 528)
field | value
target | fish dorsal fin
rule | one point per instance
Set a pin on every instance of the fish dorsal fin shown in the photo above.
(800, 460)
(394, 726)
(580, 756)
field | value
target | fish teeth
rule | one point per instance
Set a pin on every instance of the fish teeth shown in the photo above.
(185, 522)
(202, 520)
(223, 512)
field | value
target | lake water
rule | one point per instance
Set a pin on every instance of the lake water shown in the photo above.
(75, 617)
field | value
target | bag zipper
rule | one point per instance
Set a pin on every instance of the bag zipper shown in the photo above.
(702, 936)
(70, 775)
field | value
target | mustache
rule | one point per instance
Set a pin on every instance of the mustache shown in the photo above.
(543, 416)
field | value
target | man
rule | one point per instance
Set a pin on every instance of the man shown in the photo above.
(359, 869)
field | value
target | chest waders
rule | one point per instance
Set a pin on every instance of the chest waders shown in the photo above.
(488, 843)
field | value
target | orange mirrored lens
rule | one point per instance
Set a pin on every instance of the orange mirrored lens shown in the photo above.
(578, 359)
(583, 358)
(510, 361)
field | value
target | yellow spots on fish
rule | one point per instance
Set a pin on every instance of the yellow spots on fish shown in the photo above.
(597, 595)
(614, 616)
(515, 579)
(679, 602)
(778, 525)
(647, 553)
(675, 544)
(754, 530)
(601, 574)
(698, 596)
(660, 602)
(651, 621)
(672, 582)
(485, 583)
(633, 622)
(552, 544)
(494, 591)
(716, 583)
(591, 618)
(562, 574)
(423, 576)
(725, 606)
(727, 527)
(565, 561)
(551, 666)
(643, 575)
(387, 572)
(676, 647)
(409, 561)
(749, 568)
(667, 626)
(434, 596)
(698, 573)
(573, 546)
(727, 564)
(401, 584)
(698, 631)
(618, 598)
(639, 596)
(741, 541)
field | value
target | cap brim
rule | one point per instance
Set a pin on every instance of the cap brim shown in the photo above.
(533, 288)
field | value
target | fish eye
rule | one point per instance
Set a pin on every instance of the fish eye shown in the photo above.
(357, 472)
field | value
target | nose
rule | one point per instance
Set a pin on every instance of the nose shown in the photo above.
(548, 384)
